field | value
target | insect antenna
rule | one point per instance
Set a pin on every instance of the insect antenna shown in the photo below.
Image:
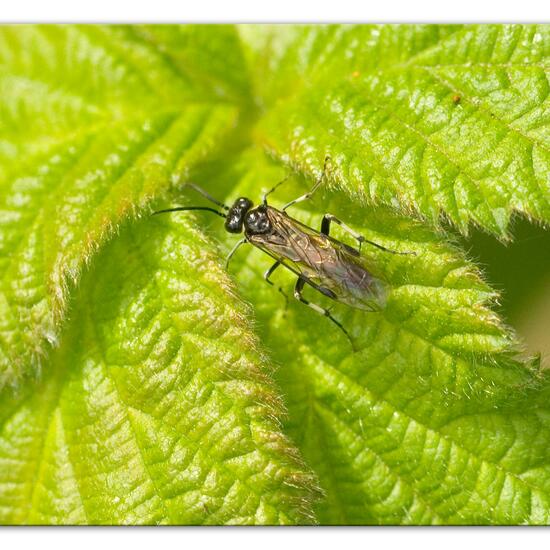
(206, 195)
(180, 208)
(264, 198)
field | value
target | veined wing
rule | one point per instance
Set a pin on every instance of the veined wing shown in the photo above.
(332, 267)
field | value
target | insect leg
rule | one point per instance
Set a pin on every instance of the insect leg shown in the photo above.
(233, 250)
(268, 274)
(325, 229)
(313, 189)
(321, 310)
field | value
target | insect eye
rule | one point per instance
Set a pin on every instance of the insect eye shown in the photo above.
(235, 216)
(243, 203)
(234, 221)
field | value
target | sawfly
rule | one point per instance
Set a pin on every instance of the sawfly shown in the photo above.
(331, 267)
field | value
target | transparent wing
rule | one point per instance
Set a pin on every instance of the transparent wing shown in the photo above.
(332, 267)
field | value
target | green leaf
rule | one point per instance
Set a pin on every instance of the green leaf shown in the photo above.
(446, 122)
(136, 385)
(62, 203)
(433, 420)
(152, 412)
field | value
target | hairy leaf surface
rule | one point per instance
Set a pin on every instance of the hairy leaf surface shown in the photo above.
(433, 420)
(136, 386)
(151, 411)
(444, 121)
(81, 168)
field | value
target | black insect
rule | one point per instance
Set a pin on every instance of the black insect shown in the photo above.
(330, 266)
